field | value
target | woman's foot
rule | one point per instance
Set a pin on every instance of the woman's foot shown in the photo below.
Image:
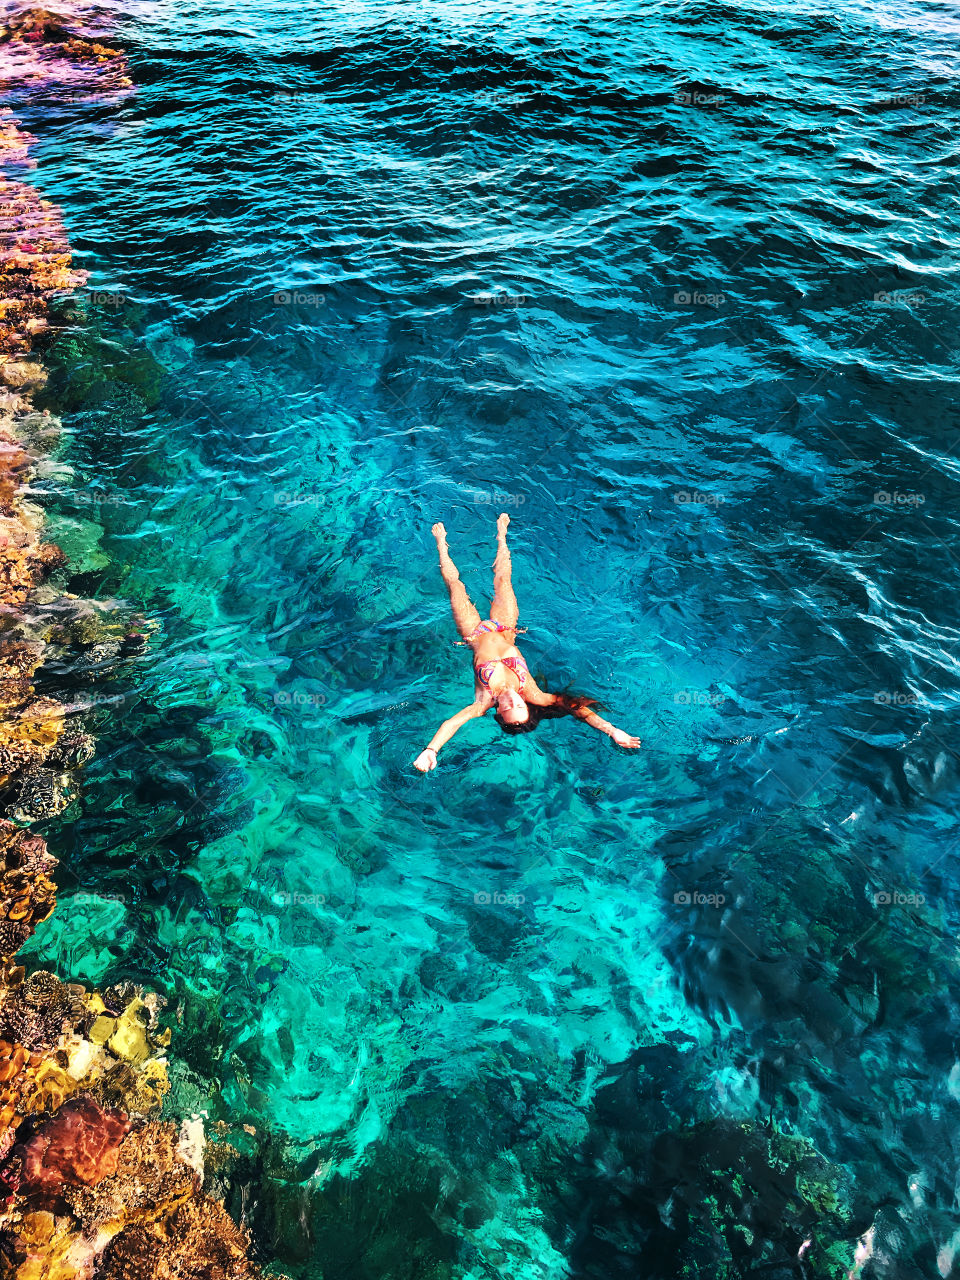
(440, 533)
(502, 522)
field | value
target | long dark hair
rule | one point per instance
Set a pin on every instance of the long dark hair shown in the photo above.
(568, 703)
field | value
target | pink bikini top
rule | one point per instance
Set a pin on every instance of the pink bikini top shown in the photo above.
(485, 669)
(514, 662)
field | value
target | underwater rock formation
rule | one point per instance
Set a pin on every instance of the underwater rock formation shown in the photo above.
(90, 1184)
(77, 1146)
(656, 1191)
(35, 265)
(39, 47)
(36, 268)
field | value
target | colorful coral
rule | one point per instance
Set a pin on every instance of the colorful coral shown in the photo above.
(90, 1184)
(37, 47)
(200, 1228)
(27, 894)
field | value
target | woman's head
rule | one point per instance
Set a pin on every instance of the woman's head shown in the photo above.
(512, 709)
(524, 719)
(525, 724)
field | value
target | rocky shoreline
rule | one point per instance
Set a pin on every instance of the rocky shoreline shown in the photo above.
(92, 1183)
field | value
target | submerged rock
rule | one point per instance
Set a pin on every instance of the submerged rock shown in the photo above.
(78, 1146)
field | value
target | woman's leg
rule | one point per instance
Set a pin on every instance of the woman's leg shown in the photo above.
(464, 611)
(504, 607)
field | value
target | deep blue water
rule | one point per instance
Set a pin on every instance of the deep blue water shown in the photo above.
(676, 286)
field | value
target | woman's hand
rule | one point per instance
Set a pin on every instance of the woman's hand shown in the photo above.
(624, 739)
(426, 760)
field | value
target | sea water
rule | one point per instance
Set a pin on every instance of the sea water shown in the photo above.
(673, 285)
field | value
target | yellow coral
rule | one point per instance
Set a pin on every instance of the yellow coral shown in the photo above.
(54, 1249)
(152, 1085)
(102, 1029)
(129, 1040)
(94, 1002)
(45, 1088)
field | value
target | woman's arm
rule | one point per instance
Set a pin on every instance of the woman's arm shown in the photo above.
(620, 736)
(581, 709)
(427, 759)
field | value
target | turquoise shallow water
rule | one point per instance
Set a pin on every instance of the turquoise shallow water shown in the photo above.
(674, 286)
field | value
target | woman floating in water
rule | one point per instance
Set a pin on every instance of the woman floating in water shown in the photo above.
(501, 676)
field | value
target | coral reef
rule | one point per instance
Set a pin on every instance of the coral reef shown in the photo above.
(134, 1209)
(35, 266)
(27, 894)
(666, 1192)
(38, 47)
(90, 1184)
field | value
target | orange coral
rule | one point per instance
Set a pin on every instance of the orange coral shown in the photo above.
(27, 894)
(13, 1057)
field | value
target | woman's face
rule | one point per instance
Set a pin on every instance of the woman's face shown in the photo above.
(511, 707)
